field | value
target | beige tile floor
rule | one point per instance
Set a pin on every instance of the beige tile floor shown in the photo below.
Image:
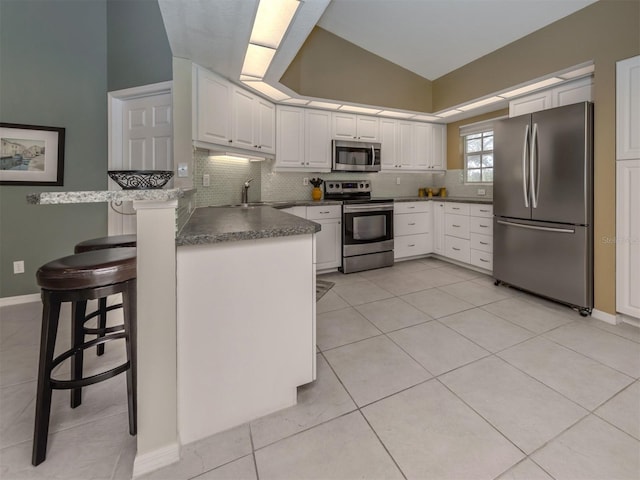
(425, 371)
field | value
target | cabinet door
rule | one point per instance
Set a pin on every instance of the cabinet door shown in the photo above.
(627, 235)
(388, 139)
(368, 128)
(405, 145)
(422, 133)
(438, 160)
(317, 140)
(438, 228)
(242, 133)
(531, 103)
(264, 127)
(627, 108)
(328, 244)
(572, 92)
(213, 105)
(290, 137)
(344, 126)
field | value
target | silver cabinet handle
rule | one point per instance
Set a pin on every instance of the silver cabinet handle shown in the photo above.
(324, 213)
(456, 249)
(456, 226)
(484, 211)
(484, 226)
(411, 207)
(455, 208)
(412, 245)
(412, 223)
(534, 166)
(525, 156)
(483, 260)
(484, 243)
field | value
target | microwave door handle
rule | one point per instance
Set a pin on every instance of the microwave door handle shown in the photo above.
(373, 156)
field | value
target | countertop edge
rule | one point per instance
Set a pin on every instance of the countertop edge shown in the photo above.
(99, 196)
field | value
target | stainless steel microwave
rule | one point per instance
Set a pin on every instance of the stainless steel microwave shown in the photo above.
(355, 156)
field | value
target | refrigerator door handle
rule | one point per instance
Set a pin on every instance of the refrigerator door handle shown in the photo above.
(525, 168)
(533, 227)
(534, 176)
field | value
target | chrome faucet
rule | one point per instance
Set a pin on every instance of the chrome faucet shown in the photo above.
(245, 191)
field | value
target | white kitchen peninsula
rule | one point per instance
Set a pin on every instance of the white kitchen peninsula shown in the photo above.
(226, 316)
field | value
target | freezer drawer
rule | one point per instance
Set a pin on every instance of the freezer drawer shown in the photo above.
(553, 260)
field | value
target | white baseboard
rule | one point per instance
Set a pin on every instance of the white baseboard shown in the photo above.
(33, 297)
(604, 317)
(628, 319)
(156, 459)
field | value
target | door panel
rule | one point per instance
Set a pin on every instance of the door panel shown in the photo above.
(552, 263)
(510, 175)
(564, 164)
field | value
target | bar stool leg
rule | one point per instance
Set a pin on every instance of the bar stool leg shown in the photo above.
(129, 302)
(50, 316)
(79, 310)
(102, 322)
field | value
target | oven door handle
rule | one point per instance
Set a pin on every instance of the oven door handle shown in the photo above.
(367, 208)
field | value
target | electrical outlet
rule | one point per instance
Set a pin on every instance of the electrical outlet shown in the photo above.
(305, 181)
(18, 267)
(206, 181)
(482, 191)
(397, 180)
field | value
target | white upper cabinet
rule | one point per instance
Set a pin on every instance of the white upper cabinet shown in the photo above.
(628, 108)
(349, 126)
(565, 94)
(211, 107)
(225, 114)
(412, 146)
(303, 139)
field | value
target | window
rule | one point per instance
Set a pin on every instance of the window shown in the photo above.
(477, 150)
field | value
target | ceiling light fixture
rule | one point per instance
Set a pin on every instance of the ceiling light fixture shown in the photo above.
(266, 89)
(530, 88)
(448, 113)
(318, 104)
(480, 103)
(390, 113)
(353, 108)
(271, 23)
(425, 118)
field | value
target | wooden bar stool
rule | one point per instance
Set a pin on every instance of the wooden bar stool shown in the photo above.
(77, 279)
(112, 241)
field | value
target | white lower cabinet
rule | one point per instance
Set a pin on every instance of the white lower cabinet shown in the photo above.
(438, 228)
(329, 238)
(412, 229)
(468, 232)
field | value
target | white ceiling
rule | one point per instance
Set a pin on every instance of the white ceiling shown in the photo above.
(434, 37)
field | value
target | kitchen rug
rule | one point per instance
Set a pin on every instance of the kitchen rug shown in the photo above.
(322, 287)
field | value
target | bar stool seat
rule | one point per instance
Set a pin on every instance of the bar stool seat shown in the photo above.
(78, 278)
(112, 241)
(101, 243)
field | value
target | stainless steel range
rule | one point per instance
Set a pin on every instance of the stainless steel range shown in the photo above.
(367, 225)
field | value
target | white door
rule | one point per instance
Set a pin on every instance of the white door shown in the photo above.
(145, 130)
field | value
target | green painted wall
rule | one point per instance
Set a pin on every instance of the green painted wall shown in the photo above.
(138, 51)
(55, 70)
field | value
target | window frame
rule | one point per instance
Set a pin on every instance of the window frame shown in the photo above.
(482, 127)
(480, 153)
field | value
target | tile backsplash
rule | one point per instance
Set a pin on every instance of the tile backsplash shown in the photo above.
(227, 177)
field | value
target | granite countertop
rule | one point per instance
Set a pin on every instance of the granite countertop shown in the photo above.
(57, 198)
(227, 224)
(486, 201)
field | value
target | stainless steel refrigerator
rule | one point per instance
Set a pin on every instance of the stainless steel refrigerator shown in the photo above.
(543, 204)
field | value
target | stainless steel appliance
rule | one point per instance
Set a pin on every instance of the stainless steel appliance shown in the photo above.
(367, 225)
(543, 204)
(356, 156)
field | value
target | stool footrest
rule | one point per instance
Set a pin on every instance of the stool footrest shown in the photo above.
(99, 311)
(83, 382)
(99, 331)
(70, 353)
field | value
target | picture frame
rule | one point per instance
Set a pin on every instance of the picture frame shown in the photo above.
(31, 155)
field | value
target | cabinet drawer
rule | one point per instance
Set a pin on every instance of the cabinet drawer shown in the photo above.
(324, 211)
(482, 225)
(456, 225)
(457, 248)
(480, 210)
(482, 242)
(412, 245)
(482, 259)
(456, 208)
(410, 223)
(297, 211)
(411, 207)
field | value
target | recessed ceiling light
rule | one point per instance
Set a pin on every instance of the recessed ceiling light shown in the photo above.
(425, 118)
(272, 20)
(353, 108)
(268, 90)
(296, 101)
(391, 113)
(480, 103)
(448, 113)
(530, 88)
(316, 103)
(257, 60)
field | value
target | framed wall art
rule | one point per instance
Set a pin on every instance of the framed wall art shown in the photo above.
(31, 155)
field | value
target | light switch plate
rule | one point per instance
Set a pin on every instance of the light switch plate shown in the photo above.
(206, 181)
(183, 170)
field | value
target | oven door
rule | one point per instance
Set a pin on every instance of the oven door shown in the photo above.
(367, 228)
(356, 156)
